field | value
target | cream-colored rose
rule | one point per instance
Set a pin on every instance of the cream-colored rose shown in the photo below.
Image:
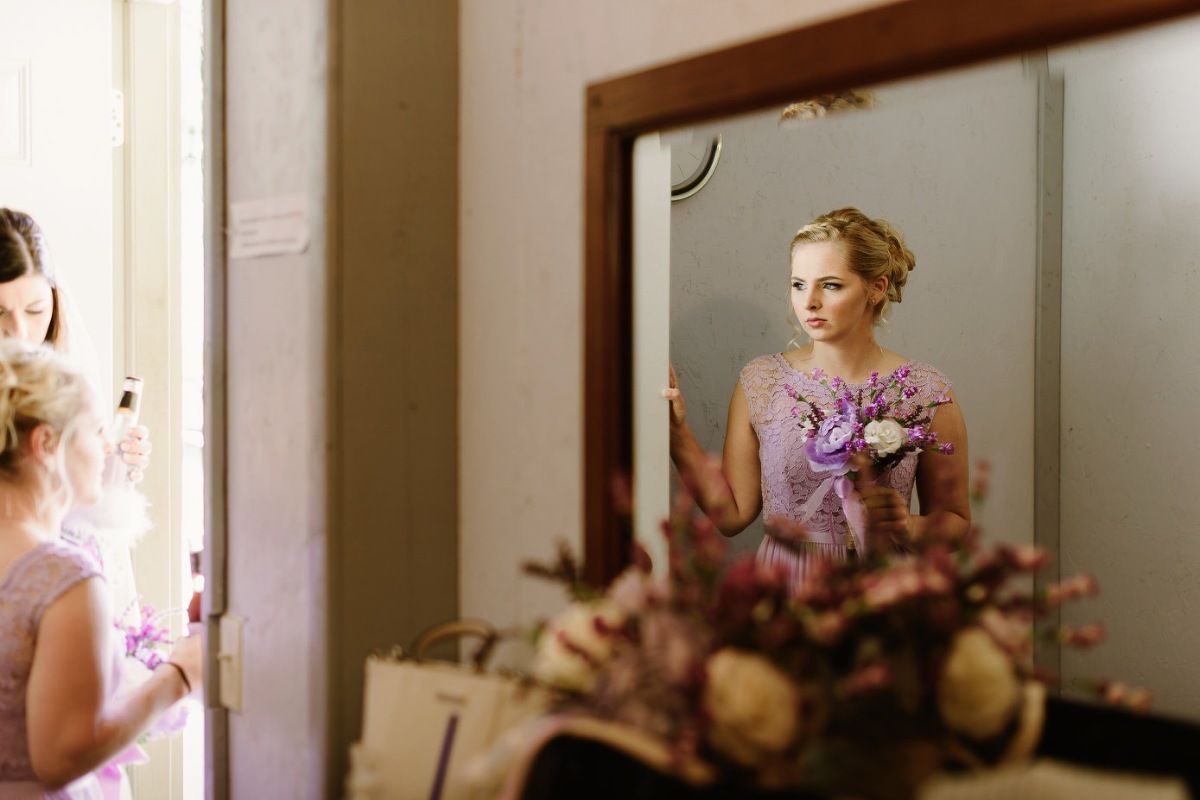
(754, 707)
(978, 690)
(575, 645)
(883, 436)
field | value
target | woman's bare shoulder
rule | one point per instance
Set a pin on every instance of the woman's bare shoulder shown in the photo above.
(892, 361)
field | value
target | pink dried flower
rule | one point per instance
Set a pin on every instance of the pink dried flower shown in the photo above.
(883, 593)
(1140, 699)
(826, 627)
(868, 679)
(633, 591)
(1116, 692)
(1012, 633)
(1029, 558)
(675, 648)
(1085, 636)
(1135, 698)
(1082, 585)
(981, 482)
(145, 640)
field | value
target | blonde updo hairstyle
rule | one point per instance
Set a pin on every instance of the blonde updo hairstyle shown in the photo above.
(38, 387)
(873, 249)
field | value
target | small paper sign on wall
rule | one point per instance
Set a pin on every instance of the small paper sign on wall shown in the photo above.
(271, 226)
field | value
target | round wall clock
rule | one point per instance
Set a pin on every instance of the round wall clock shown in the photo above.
(692, 165)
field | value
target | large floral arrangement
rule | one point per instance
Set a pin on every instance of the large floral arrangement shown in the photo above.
(923, 658)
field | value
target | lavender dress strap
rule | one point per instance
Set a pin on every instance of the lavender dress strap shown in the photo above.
(34, 581)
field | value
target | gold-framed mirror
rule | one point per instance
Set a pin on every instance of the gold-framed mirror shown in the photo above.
(880, 46)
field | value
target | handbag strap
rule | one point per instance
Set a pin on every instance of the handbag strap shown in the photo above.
(452, 630)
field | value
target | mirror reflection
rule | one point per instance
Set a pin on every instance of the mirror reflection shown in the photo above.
(1069, 172)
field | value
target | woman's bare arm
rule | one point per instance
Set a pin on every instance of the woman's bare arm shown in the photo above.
(729, 492)
(942, 490)
(73, 727)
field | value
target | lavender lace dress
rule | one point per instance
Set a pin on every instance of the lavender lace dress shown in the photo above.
(788, 481)
(33, 582)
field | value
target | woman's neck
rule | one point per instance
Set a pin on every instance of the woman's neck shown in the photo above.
(24, 518)
(852, 361)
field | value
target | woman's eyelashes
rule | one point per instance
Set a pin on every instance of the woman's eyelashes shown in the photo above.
(827, 285)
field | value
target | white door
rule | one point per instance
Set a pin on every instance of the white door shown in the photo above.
(56, 144)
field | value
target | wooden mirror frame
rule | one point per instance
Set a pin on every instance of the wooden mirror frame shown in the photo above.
(862, 49)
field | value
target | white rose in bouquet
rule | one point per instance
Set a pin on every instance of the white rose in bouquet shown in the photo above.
(753, 706)
(978, 691)
(883, 436)
(576, 644)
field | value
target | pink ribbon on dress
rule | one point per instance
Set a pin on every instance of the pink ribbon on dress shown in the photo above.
(855, 511)
(852, 507)
(111, 776)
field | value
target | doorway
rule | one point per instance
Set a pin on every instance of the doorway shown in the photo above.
(101, 131)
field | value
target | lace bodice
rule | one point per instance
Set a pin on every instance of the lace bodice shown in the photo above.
(33, 582)
(787, 479)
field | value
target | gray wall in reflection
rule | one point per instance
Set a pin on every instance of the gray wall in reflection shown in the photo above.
(1131, 334)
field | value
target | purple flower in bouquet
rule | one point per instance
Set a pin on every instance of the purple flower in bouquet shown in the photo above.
(884, 418)
(830, 448)
(145, 640)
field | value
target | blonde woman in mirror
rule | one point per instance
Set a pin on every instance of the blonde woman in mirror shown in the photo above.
(846, 268)
(59, 652)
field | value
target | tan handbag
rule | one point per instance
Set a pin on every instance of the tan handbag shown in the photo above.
(425, 721)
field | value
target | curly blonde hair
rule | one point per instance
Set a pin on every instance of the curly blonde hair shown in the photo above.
(37, 387)
(873, 249)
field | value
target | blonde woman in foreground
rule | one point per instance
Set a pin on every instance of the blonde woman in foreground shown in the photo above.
(59, 653)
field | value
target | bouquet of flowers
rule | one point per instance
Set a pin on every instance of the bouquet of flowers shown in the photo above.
(146, 641)
(148, 644)
(879, 419)
(880, 669)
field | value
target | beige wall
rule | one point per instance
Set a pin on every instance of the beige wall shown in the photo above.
(525, 64)
(341, 361)
(394, 564)
(277, 407)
